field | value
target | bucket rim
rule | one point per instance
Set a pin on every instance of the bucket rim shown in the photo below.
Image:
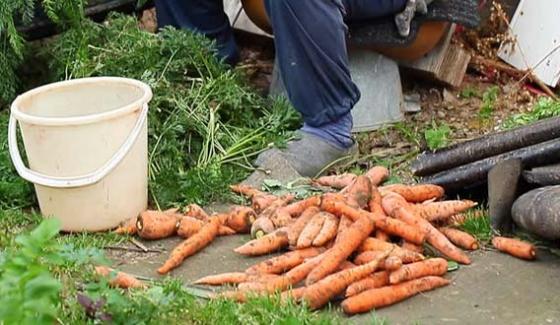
(85, 119)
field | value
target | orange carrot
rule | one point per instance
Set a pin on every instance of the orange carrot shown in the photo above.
(412, 247)
(195, 211)
(156, 225)
(328, 230)
(459, 219)
(285, 262)
(233, 278)
(359, 192)
(245, 190)
(295, 229)
(442, 210)
(281, 218)
(388, 225)
(415, 193)
(345, 266)
(385, 296)
(119, 279)
(376, 280)
(295, 209)
(269, 243)
(343, 224)
(377, 175)
(262, 201)
(350, 239)
(311, 230)
(189, 226)
(264, 223)
(261, 227)
(192, 245)
(284, 281)
(382, 236)
(336, 181)
(322, 291)
(225, 231)
(432, 266)
(240, 219)
(397, 207)
(515, 247)
(127, 228)
(374, 244)
(392, 263)
(460, 238)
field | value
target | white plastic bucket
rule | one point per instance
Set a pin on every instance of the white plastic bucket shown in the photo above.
(86, 141)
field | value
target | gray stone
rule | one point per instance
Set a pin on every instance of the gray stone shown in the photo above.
(274, 166)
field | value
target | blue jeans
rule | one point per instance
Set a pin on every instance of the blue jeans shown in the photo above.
(310, 37)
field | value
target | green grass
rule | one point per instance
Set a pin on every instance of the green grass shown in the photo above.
(544, 108)
(489, 98)
(478, 226)
(437, 136)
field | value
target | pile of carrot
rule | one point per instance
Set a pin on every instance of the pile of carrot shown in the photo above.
(363, 242)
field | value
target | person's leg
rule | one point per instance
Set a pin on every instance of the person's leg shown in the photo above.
(368, 9)
(204, 16)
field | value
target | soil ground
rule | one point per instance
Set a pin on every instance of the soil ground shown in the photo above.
(495, 289)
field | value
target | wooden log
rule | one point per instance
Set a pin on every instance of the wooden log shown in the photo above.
(545, 175)
(475, 173)
(538, 211)
(490, 145)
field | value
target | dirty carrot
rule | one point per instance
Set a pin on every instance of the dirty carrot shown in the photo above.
(262, 226)
(127, 228)
(382, 236)
(351, 238)
(385, 296)
(189, 226)
(322, 291)
(397, 207)
(311, 230)
(295, 209)
(343, 224)
(412, 247)
(262, 201)
(336, 181)
(392, 262)
(460, 238)
(119, 279)
(435, 211)
(295, 229)
(416, 193)
(388, 225)
(374, 244)
(240, 219)
(377, 175)
(376, 280)
(269, 243)
(195, 211)
(156, 225)
(285, 262)
(515, 247)
(192, 245)
(432, 266)
(328, 230)
(223, 278)
(226, 231)
(359, 192)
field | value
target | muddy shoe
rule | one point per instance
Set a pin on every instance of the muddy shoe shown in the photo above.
(310, 154)
(538, 212)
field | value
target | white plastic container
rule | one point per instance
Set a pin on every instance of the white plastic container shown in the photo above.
(86, 141)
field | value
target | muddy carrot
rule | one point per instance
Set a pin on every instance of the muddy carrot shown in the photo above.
(343, 224)
(281, 218)
(376, 280)
(285, 262)
(127, 228)
(262, 201)
(119, 279)
(321, 292)
(295, 229)
(382, 236)
(385, 296)
(240, 219)
(460, 238)
(392, 263)
(233, 278)
(416, 193)
(311, 230)
(269, 243)
(435, 211)
(262, 226)
(396, 206)
(195, 211)
(377, 175)
(515, 247)
(374, 203)
(374, 244)
(432, 266)
(359, 192)
(192, 245)
(189, 226)
(295, 209)
(336, 181)
(388, 225)
(156, 225)
(328, 230)
(412, 247)
(226, 231)
(350, 239)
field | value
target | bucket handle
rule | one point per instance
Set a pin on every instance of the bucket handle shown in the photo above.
(75, 181)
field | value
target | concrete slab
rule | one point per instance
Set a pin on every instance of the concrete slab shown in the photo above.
(495, 289)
